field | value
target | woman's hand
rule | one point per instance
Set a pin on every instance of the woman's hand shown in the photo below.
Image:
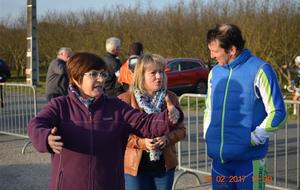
(162, 141)
(149, 143)
(54, 141)
(173, 112)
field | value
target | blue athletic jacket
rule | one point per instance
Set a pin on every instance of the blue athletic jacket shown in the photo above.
(244, 106)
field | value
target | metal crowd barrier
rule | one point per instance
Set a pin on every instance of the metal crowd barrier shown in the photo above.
(17, 106)
(282, 159)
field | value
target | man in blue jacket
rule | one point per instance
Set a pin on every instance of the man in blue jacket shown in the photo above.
(244, 107)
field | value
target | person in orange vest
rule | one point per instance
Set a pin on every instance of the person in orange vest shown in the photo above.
(127, 68)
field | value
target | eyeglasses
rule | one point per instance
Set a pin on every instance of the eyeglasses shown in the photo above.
(94, 74)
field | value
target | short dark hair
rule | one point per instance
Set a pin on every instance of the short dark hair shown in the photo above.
(136, 48)
(228, 35)
(81, 63)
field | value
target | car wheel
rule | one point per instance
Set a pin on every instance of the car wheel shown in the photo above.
(201, 87)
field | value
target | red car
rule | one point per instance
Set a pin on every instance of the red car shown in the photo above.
(187, 75)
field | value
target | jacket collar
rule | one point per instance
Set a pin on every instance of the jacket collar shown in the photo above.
(98, 100)
(243, 57)
(111, 55)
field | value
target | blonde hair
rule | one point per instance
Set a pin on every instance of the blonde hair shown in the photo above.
(138, 79)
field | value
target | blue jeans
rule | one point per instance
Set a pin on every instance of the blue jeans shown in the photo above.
(150, 181)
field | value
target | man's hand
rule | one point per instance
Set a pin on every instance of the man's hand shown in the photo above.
(54, 141)
(284, 66)
(260, 136)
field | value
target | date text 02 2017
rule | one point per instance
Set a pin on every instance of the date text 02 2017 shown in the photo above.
(237, 179)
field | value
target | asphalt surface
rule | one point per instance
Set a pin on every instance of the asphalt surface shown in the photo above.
(17, 171)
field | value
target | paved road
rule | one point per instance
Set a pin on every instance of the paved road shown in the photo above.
(17, 171)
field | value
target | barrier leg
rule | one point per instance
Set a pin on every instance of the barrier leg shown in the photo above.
(24, 147)
(176, 179)
(1, 97)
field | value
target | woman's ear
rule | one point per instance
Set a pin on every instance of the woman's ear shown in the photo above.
(75, 82)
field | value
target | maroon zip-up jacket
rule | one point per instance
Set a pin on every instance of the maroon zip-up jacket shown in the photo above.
(94, 140)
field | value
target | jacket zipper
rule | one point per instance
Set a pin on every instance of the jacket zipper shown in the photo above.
(91, 184)
(60, 180)
(223, 115)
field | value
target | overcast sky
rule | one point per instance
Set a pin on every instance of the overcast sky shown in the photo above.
(13, 8)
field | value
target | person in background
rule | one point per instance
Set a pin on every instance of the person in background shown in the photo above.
(126, 71)
(4, 71)
(4, 75)
(244, 107)
(57, 79)
(113, 47)
(86, 131)
(296, 81)
(150, 162)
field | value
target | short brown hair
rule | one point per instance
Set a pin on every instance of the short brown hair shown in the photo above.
(228, 35)
(81, 63)
(139, 71)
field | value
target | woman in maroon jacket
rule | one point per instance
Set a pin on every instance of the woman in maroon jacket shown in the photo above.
(86, 132)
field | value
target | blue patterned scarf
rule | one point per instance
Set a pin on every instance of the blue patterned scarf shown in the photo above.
(86, 101)
(148, 103)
